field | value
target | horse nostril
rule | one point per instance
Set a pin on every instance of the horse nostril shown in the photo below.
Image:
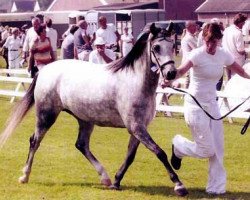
(171, 75)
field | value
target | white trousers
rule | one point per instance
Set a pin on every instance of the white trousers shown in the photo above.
(208, 142)
(14, 59)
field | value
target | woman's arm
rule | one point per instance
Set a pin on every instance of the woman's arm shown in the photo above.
(183, 69)
(235, 67)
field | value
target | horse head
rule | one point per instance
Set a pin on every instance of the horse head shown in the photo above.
(161, 49)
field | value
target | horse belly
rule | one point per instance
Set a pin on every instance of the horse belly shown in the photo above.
(99, 115)
(99, 108)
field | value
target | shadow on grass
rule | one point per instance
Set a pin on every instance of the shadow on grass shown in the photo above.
(194, 193)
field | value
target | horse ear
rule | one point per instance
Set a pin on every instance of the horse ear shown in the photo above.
(170, 28)
(153, 29)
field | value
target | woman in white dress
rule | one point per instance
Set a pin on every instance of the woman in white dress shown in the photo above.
(127, 42)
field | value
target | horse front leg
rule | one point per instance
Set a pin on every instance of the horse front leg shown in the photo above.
(82, 144)
(143, 136)
(132, 148)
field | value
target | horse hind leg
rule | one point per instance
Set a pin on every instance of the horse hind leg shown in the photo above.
(132, 148)
(82, 144)
(45, 120)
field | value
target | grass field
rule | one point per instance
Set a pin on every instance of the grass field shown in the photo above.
(60, 172)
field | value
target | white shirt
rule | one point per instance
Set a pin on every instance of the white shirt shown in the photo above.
(188, 43)
(233, 42)
(107, 34)
(31, 35)
(52, 35)
(12, 43)
(95, 57)
(206, 71)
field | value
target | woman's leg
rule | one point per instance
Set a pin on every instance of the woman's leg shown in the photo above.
(217, 174)
(200, 126)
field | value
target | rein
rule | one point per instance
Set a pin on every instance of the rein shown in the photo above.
(243, 130)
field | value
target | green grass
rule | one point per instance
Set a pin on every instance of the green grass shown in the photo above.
(60, 171)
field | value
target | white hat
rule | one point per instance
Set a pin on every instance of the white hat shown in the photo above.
(99, 41)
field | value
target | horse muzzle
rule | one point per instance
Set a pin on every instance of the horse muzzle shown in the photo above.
(171, 75)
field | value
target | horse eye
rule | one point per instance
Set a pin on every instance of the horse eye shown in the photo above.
(156, 48)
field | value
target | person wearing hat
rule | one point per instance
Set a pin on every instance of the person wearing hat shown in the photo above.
(101, 55)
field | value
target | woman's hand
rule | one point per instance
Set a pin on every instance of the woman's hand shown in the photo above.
(166, 83)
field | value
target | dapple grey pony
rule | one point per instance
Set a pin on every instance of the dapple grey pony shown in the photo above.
(119, 94)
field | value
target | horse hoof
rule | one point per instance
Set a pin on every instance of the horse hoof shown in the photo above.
(23, 179)
(113, 187)
(180, 190)
(106, 182)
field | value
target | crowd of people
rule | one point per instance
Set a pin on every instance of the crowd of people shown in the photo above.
(38, 44)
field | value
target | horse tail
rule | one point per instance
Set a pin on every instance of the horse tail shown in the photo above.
(19, 112)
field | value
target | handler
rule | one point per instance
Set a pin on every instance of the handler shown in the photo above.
(206, 67)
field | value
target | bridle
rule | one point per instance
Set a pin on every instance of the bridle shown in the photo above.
(161, 66)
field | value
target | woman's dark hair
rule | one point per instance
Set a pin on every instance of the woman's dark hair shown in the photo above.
(40, 29)
(212, 31)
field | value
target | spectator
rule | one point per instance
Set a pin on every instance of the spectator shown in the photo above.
(108, 33)
(101, 55)
(52, 35)
(127, 42)
(233, 40)
(41, 50)
(188, 43)
(206, 64)
(13, 43)
(82, 42)
(31, 35)
(67, 48)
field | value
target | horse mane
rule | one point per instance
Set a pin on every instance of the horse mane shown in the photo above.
(135, 53)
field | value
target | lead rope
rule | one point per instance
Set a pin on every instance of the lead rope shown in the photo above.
(243, 130)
